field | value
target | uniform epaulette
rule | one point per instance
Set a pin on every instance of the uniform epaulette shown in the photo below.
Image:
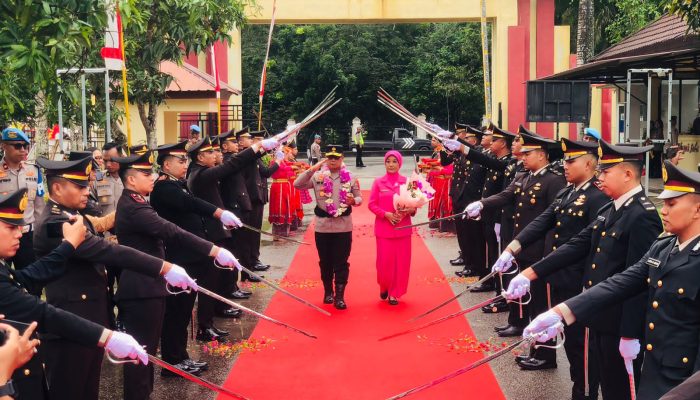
(556, 168)
(665, 236)
(647, 204)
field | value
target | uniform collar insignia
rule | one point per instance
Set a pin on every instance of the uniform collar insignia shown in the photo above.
(137, 198)
(652, 262)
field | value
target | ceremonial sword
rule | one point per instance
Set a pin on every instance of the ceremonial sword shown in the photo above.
(460, 294)
(279, 289)
(195, 379)
(249, 311)
(431, 221)
(254, 229)
(445, 318)
(528, 340)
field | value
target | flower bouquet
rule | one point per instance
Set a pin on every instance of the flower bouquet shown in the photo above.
(415, 193)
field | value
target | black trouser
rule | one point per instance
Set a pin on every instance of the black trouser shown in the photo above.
(25, 256)
(574, 346)
(470, 238)
(143, 319)
(173, 339)
(238, 246)
(213, 279)
(541, 301)
(72, 370)
(491, 241)
(614, 381)
(358, 158)
(250, 240)
(333, 253)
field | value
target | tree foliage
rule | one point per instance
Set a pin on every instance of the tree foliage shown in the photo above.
(431, 68)
(167, 30)
(688, 10)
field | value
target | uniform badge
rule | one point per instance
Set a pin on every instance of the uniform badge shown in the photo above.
(138, 198)
(55, 210)
(23, 203)
(652, 262)
(601, 218)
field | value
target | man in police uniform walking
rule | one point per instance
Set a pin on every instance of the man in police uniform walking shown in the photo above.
(73, 370)
(623, 231)
(16, 174)
(668, 280)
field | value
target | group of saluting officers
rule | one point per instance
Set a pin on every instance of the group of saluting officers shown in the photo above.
(584, 251)
(125, 225)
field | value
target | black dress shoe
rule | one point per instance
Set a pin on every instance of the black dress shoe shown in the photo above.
(208, 335)
(251, 278)
(229, 313)
(484, 287)
(522, 357)
(501, 328)
(533, 364)
(393, 301)
(219, 332)
(465, 273)
(245, 292)
(238, 294)
(328, 298)
(495, 308)
(383, 295)
(204, 366)
(182, 366)
(261, 267)
(511, 331)
(457, 261)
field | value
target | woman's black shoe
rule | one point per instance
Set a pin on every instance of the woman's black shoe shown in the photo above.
(383, 295)
(340, 297)
(393, 301)
(328, 298)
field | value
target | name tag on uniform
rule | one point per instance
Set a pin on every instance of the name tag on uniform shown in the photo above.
(652, 262)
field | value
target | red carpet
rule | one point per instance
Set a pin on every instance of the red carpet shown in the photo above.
(347, 361)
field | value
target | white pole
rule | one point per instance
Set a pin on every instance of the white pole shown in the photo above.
(108, 113)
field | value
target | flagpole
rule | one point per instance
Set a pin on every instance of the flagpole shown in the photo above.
(217, 89)
(125, 83)
(263, 77)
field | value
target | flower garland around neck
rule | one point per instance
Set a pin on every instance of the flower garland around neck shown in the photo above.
(324, 176)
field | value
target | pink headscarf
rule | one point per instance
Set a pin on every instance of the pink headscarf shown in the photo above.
(392, 179)
(396, 154)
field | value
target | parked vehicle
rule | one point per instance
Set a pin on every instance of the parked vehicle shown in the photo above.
(401, 139)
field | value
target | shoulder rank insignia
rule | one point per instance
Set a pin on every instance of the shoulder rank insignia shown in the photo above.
(598, 185)
(55, 210)
(600, 218)
(138, 198)
(648, 205)
(652, 262)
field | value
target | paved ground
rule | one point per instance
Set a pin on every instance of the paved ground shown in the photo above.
(516, 384)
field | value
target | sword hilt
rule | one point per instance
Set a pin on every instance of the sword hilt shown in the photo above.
(116, 360)
(177, 289)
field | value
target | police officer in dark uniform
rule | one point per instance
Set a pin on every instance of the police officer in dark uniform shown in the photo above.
(141, 298)
(531, 195)
(668, 280)
(235, 196)
(574, 208)
(173, 201)
(73, 369)
(497, 163)
(21, 308)
(16, 174)
(203, 182)
(256, 182)
(467, 182)
(93, 204)
(622, 232)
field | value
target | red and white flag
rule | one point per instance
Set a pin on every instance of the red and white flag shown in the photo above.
(112, 52)
(215, 72)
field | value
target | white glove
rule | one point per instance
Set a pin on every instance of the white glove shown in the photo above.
(629, 348)
(270, 144)
(279, 155)
(497, 230)
(452, 145)
(545, 327)
(123, 346)
(227, 259)
(517, 287)
(503, 263)
(177, 276)
(473, 210)
(230, 219)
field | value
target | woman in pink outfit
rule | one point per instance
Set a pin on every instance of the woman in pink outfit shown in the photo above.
(393, 246)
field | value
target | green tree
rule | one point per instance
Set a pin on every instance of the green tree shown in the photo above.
(167, 30)
(688, 10)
